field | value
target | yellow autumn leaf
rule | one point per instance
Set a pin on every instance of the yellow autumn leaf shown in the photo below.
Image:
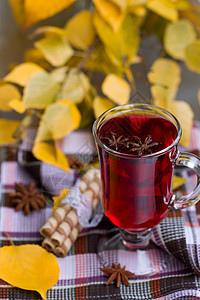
(40, 91)
(8, 92)
(35, 56)
(137, 2)
(58, 120)
(17, 105)
(164, 8)
(178, 182)
(75, 86)
(183, 112)
(80, 31)
(121, 3)
(22, 73)
(58, 74)
(100, 105)
(116, 88)
(192, 56)
(42, 9)
(7, 129)
(48, 30)
(29, 267)
(164, 76)
(122, 45)
(56, 49)
(57, 199)
(110, 12)
(178, 36)
(49, 153)
(18, 10)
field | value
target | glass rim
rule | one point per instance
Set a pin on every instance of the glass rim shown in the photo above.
(153, 108)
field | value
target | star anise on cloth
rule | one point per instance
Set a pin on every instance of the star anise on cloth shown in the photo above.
(116, 142)
(142, 147)
(115, 272)
(27, 198)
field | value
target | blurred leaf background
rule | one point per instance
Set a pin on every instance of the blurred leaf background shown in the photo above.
(71, 74)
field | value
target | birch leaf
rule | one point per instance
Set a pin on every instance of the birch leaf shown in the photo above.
(8, 92)
(116, 88)
(17, 105)
(57, 199)
(59, 119)
(100, 105)
(122, 45)
(49, 153)
(29, 267)
(164, 8)
(58, 74)
(178, 182)
(80, 31)
(56, 49)
(178, 35)
(183, 112)
(7, 129)
(18, 10)
(75, 86)
(22, 73)
(40, 91)
(42, 9)
(165, 78)
(192, 56)
(121, 3)
(110, 12)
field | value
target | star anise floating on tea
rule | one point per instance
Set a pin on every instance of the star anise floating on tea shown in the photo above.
(131, 144)
(142, 147)
(27, 198)
(118, 273)
(116, 142)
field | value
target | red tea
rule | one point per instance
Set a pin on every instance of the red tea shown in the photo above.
(137, 186)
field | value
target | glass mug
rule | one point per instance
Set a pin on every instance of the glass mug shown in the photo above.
(138, 149)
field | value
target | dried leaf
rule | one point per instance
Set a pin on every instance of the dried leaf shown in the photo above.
(75, 86)
(40, 91)
(80, 31)
(50, 154)
(110, 12)
(116, 88)
(22, 73)
(57, 200)
(8, 92)
(59, 119)
(165, 78)
(29, 267)
(42, 9)
(7, 128)
(17, 105)
(192, 56)
(178, 182)
(56, 49)
(164, 8)
(178, 35)
(122, 45)
(100, 105)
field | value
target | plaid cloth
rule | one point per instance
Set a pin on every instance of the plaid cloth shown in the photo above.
(80, 278)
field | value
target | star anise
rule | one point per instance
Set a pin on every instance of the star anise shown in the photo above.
(74, 162)
(115, 272)
(27, 198)
(116, 142)
(142, 147)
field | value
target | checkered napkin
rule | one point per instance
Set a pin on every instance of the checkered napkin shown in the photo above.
(176, 259)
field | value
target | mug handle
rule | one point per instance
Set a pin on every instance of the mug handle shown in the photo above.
(191, 161)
